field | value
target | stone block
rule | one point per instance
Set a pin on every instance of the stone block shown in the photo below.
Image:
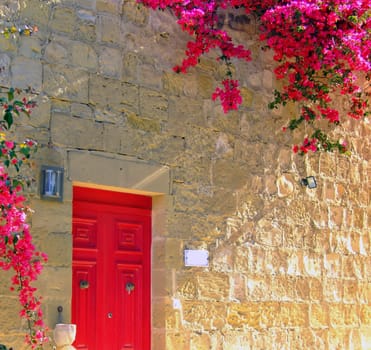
(231, 176)
(258, 288)
(90, 133)
(365, 315)
(302, 287)
(58, 247)
(200, 341)
(183, 112)
(332, 290)
(177, 341)
(365, 335)
(109, 28)
(160, 308)
(43, 211)
(205, 85)
(57, 50)
(145, 124)
(36, 12)
(6, 276)
(270, 312)
(104, 92)
(8, 46)
(208, 315)
(26, 72)
(332, 265)
(84, 56)
(10, 308)
(247, 97)
(81, 110)
(336, 216)
(55, 282)
(5, 69)
(158, 339)
(123, 172)
(150, 76)
(283, 288)
(174, 84)
(134, 13)
(337, 338)
(130, 64)
(213, 286)
(312, 265)
(110, 62)
(294, 314)
(30, 47)
(86, 4)
(130, 100)
(186, 283)
(63, 19)
(173, 253)
(153, 104)
(161, 283)
(244, 315)
(351, 292)
(351, 315)
(319, 316)
(354, 266)
(109, 6)
(66, 83)
(86, 32)
(223, 259)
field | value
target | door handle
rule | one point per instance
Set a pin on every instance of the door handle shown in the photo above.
(109, 315)
(129, 287)
(84, 284)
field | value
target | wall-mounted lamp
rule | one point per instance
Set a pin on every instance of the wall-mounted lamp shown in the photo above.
(309, 181)
(52, 183)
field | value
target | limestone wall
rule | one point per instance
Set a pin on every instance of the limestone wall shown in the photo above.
(290, 267)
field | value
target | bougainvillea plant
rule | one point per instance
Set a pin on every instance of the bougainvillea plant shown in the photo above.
(322, 48)
(17, 251)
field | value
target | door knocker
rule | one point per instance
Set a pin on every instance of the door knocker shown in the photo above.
(129, 287)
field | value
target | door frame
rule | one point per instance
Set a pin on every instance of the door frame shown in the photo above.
(104, 196)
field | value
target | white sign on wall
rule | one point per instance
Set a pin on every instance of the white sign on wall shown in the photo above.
(198, 257)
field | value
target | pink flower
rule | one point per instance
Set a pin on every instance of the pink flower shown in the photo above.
(9, 144)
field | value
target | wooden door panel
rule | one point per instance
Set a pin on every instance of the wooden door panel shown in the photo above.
(130, 306)
(129, 236)
(84, 303)
(85, 233)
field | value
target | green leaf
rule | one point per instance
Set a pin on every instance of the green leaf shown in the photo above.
(8, 117)
(10, 94)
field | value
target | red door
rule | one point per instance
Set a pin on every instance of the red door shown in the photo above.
(111, 270)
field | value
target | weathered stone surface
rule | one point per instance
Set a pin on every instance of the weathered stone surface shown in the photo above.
(108, 28)
(288, 266)
(63, 19)
(83, 55)
(90, 132)
(153, 104)
(26, 73)
(66, 83)
(5, 69)
(110, 62)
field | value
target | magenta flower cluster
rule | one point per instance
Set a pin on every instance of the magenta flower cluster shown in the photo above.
(17, 252)
(321, 49)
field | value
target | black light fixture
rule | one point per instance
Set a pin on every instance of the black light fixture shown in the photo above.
(309, 181)
(52, 183)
